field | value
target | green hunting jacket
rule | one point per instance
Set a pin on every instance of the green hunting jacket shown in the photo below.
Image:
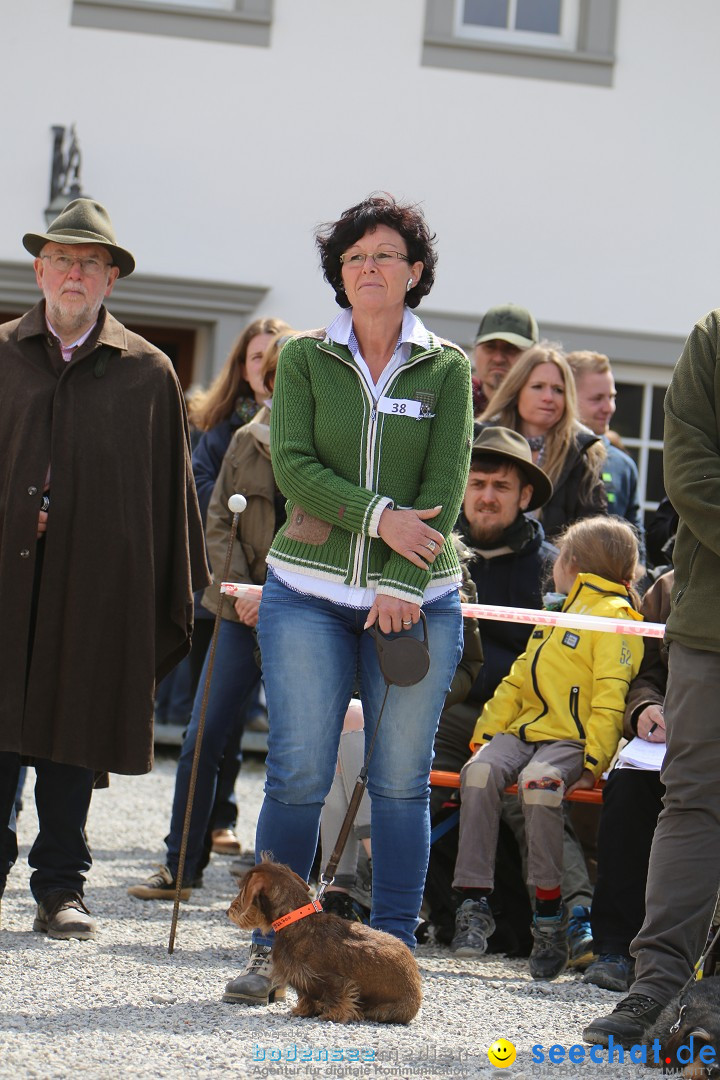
(692, 482)
(340, 460)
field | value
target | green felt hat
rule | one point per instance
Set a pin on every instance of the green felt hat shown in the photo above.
(83, 221)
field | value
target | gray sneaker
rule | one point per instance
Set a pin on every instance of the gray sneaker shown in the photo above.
(63, 915)
(255, 985)
(550, 953)
(474, 924)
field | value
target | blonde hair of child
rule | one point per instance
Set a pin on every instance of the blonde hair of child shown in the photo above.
(602, 545)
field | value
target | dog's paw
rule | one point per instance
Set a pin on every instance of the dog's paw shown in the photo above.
(305, 1007)
(341, 1012)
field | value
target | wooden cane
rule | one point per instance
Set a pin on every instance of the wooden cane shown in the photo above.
(236, 505)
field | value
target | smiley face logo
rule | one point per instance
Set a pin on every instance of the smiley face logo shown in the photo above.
(502, 1053)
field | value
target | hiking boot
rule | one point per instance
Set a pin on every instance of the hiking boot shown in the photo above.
(225, 842)
(341, 904)
(550, 952)
(627, 1023)
(159, 886)
(474, 924)
(611, 971)
(255, 985)
(63, 915)
(579, 938)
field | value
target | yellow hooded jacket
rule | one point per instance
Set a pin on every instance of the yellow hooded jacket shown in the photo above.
(570, 684)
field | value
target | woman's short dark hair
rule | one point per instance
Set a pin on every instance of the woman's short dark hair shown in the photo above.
(335, 237)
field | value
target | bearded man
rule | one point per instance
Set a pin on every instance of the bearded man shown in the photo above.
(101, 547)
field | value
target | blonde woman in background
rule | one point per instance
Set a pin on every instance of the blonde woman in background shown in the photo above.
(538, 399)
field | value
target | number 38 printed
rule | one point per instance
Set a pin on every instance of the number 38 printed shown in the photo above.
(399, 407)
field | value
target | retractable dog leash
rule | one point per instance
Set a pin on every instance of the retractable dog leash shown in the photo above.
(707, 952)
(236, 505)
(404, 661)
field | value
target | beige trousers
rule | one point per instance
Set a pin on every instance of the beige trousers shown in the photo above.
(543, 770)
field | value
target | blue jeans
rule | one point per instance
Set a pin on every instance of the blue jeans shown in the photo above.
(314, 655)
(235, 676)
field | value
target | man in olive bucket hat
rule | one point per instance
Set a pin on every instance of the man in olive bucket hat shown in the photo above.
(101, 548)
(504, 333)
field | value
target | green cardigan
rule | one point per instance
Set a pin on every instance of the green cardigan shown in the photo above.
(692, 482)
(338, 459)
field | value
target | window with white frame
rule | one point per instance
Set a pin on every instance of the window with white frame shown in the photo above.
(546, 24)
(639, 421)
(240, 22)
(567, 40)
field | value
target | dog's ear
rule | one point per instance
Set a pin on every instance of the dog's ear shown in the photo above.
(259, 882)
(254, 883)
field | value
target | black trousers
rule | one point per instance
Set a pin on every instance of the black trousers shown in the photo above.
(60, 855)
(632, 801)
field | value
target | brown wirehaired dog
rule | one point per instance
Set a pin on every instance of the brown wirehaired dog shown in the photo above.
(341, 970)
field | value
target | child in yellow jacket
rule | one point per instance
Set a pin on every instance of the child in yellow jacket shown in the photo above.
(553, 725)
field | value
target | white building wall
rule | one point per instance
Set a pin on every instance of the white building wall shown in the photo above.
(592, 206)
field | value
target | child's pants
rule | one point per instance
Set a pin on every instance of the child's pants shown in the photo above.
(543, 770)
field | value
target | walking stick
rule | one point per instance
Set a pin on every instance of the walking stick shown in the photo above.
(236, 505)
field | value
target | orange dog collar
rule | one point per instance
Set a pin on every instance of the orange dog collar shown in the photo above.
(297, 914)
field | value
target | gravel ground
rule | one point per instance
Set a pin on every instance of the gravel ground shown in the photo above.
(122, 1006)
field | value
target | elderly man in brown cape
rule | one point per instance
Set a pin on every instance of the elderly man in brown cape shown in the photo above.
(101, 548)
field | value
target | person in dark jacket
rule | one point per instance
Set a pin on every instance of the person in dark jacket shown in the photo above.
(538, 399)
(508, 559)
(101, 547)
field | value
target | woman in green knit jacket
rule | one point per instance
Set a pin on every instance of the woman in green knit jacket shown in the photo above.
(370, 437)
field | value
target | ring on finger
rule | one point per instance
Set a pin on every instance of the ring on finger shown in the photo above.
(431, 545)
(407, 622)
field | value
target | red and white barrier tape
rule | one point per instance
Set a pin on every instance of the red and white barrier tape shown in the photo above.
(519, 615)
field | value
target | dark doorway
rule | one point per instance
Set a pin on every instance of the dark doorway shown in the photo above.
(176, 342)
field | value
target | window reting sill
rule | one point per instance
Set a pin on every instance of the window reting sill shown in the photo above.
(246, 25)
(564, 65)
